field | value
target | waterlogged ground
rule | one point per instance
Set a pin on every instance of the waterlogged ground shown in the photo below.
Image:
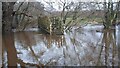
(88, 46)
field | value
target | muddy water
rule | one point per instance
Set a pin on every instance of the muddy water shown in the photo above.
(0, 49)
(88, 46)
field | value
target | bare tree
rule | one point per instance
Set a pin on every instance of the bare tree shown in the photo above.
(7, 17)
(111, 13)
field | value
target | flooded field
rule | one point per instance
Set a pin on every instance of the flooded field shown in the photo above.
(88, 46)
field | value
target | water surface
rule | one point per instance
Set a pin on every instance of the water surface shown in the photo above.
(88, 46)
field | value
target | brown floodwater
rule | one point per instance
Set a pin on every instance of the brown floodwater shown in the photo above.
(88, 46)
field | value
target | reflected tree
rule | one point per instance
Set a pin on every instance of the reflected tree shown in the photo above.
(8, 41)
(108, 48)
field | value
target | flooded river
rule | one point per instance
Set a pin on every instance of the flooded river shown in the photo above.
(88, 46)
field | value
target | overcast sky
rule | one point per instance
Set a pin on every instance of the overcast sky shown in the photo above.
(56, 2)
(80, 0)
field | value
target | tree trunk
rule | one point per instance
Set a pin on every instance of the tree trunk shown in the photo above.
(7, 18)
(111, 14)
(118, 44)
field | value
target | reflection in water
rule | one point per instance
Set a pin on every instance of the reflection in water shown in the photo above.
(118, 43)
(0, 49)
(79, 48)
(109, 48)
(8, 44)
